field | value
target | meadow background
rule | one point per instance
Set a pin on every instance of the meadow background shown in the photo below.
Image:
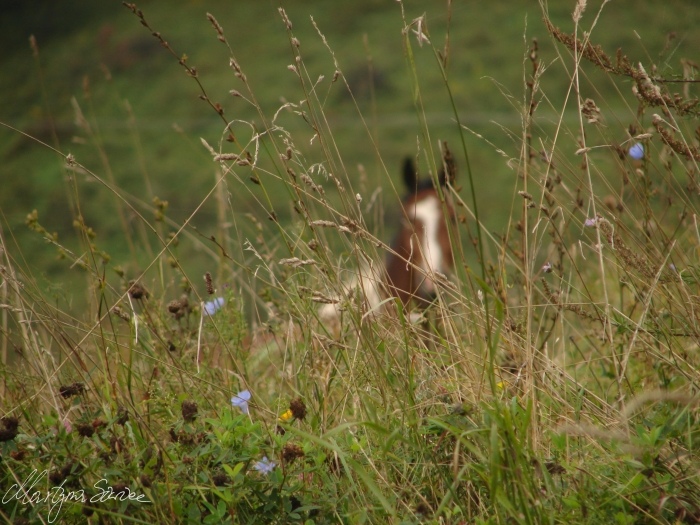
(558, 379)
(141, 118)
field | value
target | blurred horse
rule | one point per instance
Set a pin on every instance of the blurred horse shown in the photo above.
(421, 252)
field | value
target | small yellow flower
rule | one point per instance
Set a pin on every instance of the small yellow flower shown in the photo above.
(286, 416)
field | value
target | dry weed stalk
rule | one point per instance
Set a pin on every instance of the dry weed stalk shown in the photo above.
(645, 88)
(679, 146)
(631, 258)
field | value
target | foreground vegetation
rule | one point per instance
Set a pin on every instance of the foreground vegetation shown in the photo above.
(555, 379)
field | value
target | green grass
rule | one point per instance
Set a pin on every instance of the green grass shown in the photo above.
(556, 379)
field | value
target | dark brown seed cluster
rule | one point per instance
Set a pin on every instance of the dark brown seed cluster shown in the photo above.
(189, 410)
(298, 409)
(74, 389)
(137, 290)
(85, 429)
(9, 428)
(210, 283)
(423, 509)
(18, 455)
(179, 307)
(120, 489)
(220, 479)
(290, 452)
(58, 476)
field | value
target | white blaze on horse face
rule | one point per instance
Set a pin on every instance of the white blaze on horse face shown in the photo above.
(429, 212)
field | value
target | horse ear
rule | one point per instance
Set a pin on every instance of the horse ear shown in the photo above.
(410, 176)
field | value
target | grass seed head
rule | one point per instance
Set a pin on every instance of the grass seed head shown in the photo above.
(217, 27)
(119, 312)
(210, 283)
(179, 307)
(137, 290)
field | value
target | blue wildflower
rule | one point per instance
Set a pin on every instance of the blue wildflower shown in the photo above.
(240, 400)
(636, 151)
(265, 466)
(211, 307)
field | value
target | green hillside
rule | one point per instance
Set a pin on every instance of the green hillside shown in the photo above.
(143, 119)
